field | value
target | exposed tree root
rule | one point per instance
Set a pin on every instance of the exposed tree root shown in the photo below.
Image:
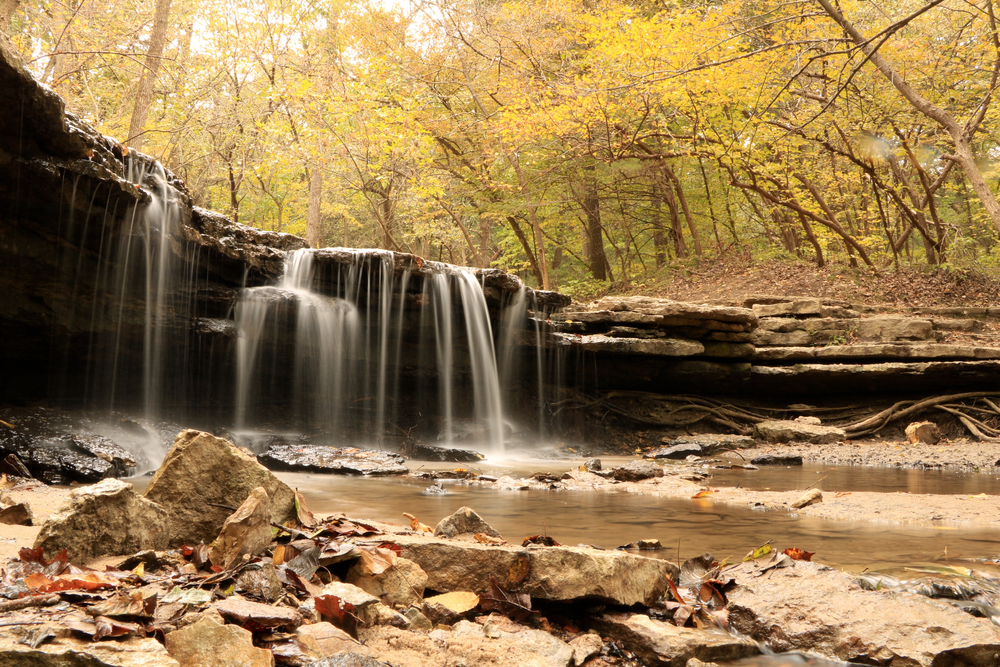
(673, 410)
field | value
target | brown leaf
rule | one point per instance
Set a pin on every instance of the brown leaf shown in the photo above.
(458, 602)
(68, 582)
(302, 512)
(515, 606)
(109, 627)
(483, 538)
(331, 608)
(540, 540)
(377, 560)
(799, 554)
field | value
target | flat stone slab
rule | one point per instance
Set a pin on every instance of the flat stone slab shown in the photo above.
(257, 615)
(661, 347)
(928, 351)
(660, 643)
(787, 331)
(796, 431)
(422, 452)
(333, 460)
(811, 607)
(70, 651)
(556, 573)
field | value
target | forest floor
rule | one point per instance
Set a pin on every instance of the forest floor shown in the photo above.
(732, 278)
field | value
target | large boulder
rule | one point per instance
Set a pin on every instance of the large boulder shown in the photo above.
(659, 643)
(795, 431)
(400, 585)
(200, 471)
(810, 607)
(108, 518)
(556, 573)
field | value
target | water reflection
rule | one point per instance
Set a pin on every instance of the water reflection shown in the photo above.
(682, 526)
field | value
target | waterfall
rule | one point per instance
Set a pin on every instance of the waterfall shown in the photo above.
(347, 352)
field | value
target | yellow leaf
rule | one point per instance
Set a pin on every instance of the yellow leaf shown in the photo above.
(140, 569)
(762, 550)
(981, 496)
(456, 601)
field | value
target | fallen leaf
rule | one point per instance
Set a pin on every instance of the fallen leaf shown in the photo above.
(515, 606)
(458, 602)
(416, 525)
(302, 512)
(703, 493)
(68, 582)
(799, 554)
(377, 560)
(331, 608)
(981, 496)
(483, 538)
(762, 550)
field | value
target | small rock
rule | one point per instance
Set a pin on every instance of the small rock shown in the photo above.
(635, 471)
(11, 465)
(584, 647)
(810, 498)
(260, 580)
(245, 612)
(592, 465)
(330, 639)
(464, 521)
(925, 432)
(108, 518)
(435, 489)
(16, 515)
(815, 421)
(402, 584)
(417, 621)
(350, 659)
(209, 644)
(247, 531)
(333, 460)
(422, 452)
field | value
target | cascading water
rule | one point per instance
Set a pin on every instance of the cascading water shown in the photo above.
(347, 352)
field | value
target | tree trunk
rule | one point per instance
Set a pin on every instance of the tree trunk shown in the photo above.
(684, 207)
(313, 218)
(144, 95)
(595, 233)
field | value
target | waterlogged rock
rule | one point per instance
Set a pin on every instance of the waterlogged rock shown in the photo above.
(556, 573)
(201, 469)
(107, 450)
(636, 471)
(660, 643)
(814, 608)
(108, 518)
(51, 460)
(776, 460)
(69, 651)
(794, 431)
(678, 452)
(462, 522)
(342, 461)
(246, 532)
(421, 452)
(208, 643)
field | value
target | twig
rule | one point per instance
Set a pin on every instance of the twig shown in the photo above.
(816, 482)
(45, 600)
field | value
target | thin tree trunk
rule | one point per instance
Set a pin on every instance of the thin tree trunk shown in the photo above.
(820, 262)
(684, 207)
(676, 231)
(313, 218)
(595, 233)
(144, 95)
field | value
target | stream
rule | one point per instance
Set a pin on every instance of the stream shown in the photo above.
(685, 528)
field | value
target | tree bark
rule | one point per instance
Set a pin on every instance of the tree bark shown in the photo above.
(595, 232)
(144, 94)
(960, 134)
(313, 217)
(684, 207)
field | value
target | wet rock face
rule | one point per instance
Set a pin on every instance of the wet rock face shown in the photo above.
(333, 460)
(421, 452)
(813, 608)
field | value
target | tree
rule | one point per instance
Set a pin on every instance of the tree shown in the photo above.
(144, 92)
